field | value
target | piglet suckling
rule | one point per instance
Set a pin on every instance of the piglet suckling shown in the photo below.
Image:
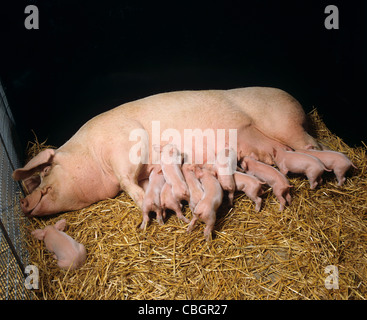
(225, 166)
(171, 168)
(296, 162)
(251, 186)
(152, 196)
(169, 202)
(336, 161)
(68, 253)
(272, 177)
(195, 188)
(211, 200)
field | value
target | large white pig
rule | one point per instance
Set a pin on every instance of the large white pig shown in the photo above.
(97, 163)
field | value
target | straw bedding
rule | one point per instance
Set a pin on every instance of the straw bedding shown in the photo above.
(265, 255)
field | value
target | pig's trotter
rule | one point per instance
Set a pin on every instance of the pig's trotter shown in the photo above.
(160, 217)
(182, 217)
(208, 232)
(145, 222)
(192, 224)
(288, 198)
(258, 204)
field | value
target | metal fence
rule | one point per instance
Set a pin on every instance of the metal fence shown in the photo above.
(13, 248)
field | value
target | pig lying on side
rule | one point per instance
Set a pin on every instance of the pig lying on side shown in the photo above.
(96, 164)
(332, 160)
(297, 162)
(69, 253)
(271, 176)
(207, 207)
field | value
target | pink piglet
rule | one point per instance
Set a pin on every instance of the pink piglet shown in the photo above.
(251, 186)
(336, 161)
(169, 202)
(298, 162)
(68, 253)
(211, 200)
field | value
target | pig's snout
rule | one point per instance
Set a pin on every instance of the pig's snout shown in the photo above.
(24, 205)
(28, 203)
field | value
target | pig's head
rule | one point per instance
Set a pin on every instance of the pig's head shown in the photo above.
(41, 233)
(49, 186)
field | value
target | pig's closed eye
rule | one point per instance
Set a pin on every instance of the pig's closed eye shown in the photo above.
(46, 171)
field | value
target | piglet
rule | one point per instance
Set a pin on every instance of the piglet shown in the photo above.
(195, 188)
(271, 176)
(332, 160)
(171, 168)
(68, 253)
(152, 196)
(169, 202)
(297, 162)
(225, 166)
(207, 207)
(251, 186)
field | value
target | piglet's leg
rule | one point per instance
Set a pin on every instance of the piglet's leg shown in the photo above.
(159, 212)
(192, 224)
(181, 216)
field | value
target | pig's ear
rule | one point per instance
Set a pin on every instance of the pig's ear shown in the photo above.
(39, 234)
(44, 158)
(243, 165)
(60, 225)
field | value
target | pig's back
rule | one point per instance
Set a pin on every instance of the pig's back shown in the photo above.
(185, 109)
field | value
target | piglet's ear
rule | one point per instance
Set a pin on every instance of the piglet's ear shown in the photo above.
(39, 234)
(41, 160)
(60, 225)
(244, 165)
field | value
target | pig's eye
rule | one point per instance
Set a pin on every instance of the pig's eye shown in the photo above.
(46, 170)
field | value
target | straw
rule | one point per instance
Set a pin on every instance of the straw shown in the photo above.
(265, 255)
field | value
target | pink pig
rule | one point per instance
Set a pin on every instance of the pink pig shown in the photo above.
(152, 196)
(195, 188)
(332, 160)
(297, 162)
(271, 176)
(171, 167)
(225, 166)
(168, 201)
(68, 253)
(251, 186)
(207, 207)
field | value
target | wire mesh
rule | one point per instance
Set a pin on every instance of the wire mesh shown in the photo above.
(13, 251)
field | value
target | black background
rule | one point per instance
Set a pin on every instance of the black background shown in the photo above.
(90, 56)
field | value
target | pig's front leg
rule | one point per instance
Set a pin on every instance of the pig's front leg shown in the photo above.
(130, 185)
(127, 167)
